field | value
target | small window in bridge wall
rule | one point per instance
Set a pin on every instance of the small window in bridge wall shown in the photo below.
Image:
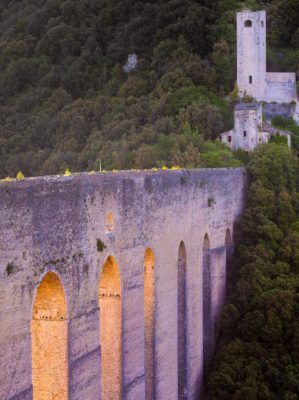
(250, 80)
(248, 24)
(262, 24)
(109, 222)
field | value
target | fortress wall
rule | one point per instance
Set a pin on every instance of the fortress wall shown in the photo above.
(53, 223)
(281, 87)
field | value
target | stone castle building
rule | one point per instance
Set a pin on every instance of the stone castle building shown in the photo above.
(249, 129)
(254, 80)
(252, 76)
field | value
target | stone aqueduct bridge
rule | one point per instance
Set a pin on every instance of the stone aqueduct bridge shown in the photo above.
(111, 284)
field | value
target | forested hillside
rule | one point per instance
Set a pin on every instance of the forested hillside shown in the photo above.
(258, 351)
(68, 99)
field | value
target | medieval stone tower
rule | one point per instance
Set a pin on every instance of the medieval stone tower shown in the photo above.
(251, 53)
(248, 118)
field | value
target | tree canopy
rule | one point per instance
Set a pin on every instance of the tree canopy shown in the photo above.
(66, 99)
(258, 351)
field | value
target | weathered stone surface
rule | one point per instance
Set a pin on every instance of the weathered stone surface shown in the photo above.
(281, 87)
(252, 76)
(53, 223)
(251, 53)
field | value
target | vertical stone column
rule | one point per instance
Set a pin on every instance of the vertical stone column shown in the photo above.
(214, 285)
(218, 291)
(207, 301)
(149, 330)
(182, 323)
(111, 331)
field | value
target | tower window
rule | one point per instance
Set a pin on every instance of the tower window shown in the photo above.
(250, 79)
(262, 24)
(229, 139)
(245, 133)
(248, 24)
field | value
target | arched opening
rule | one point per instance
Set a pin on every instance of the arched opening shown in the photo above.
(50, 341)
(110, 331)
(207, 309)
(109, 222)
(248, 23)
(262, 24)
(149, 327)
(182, 323)
(229, 248)
(250, 80)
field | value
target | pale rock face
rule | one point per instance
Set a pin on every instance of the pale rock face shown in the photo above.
(131, 64)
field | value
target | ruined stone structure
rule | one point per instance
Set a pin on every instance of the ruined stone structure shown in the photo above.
(249, 129)
(112, 284)
(253, 80)
(252, 77)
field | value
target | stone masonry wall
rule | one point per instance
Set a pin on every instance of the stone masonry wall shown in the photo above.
(251, 53)
(246, 121)
(53, 223)
(281, 87)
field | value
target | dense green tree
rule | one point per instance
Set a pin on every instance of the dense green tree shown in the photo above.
(257, 356)
(65, 97)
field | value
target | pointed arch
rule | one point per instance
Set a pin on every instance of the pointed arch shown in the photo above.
(50, 341)
(207, 306)
(149, 324)
(110, 303)
(182, 322)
